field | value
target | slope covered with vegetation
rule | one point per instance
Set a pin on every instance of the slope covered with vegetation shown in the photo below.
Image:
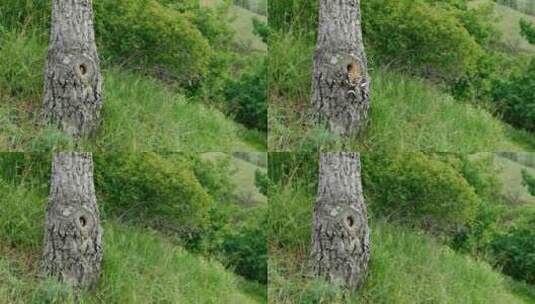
(441, 232)
(178, 76)
(189, 239)
(441, 79)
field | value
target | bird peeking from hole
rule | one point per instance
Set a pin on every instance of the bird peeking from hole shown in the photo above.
(354, 79)
(353, 74)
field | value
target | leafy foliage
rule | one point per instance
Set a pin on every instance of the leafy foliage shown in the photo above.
(513, 251)
(164, 192)
(528, 181)
(421, 190)
(247, 95)
(515, 97)
(149, 34)
(527, 31)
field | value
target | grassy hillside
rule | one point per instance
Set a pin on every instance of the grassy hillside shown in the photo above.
(508, 23)
(406, 114)
(139, 114)
(511, 177)
(242, 23)
(139, 266)
(405, 267)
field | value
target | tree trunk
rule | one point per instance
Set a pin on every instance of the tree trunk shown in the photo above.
(73, 84)
(341, 84)
(341, 237)
(73, 235)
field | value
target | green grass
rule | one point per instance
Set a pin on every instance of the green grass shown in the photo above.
(139, 265)
(405, 267)
(511, 178)
(406, 114)
(509, 25)
(139, 114)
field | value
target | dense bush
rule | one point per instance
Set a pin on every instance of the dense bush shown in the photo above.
(419, 189)
(261, 182)
(514, 97)
(424, 38)
(527, 31)
(247, 96)
(151, 189)
(15, 14)
(239, 236)
(528, 181)
(148, 34)
(514, 253)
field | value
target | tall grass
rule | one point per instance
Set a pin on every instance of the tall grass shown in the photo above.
(405, 267)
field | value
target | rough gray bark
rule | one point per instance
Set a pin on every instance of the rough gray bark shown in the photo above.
(341, 84)
(341, 237)
(73, 83)
(73, 235)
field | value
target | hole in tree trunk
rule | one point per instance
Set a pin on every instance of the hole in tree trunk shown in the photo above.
(83, 221)
(83, 69)
(350, 221)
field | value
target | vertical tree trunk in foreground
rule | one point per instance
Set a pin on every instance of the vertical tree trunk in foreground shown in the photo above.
(340, 88)
(73, 235)
(73, 84)
(341, 237)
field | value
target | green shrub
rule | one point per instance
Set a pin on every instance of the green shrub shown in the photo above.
(424, 38)
(419, 189)
(514, 252)
(247, 96)
(154, 190)
(148, 34)
(527, 30)
(528, 181)
(514, 97)
(261, 181)
(246, 247)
